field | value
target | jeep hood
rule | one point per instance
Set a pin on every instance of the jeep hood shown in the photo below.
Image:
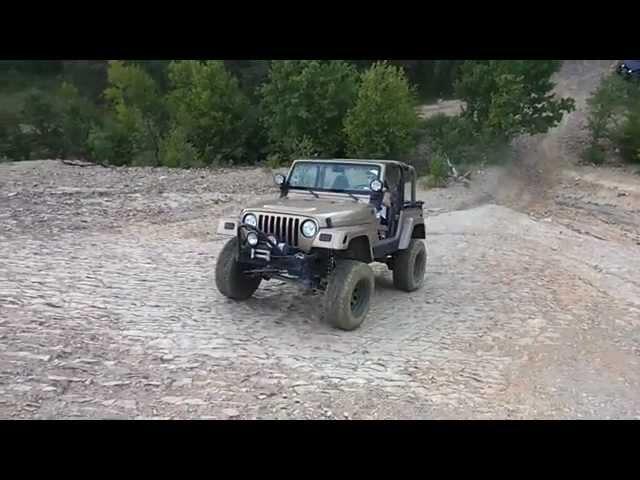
(341, 211)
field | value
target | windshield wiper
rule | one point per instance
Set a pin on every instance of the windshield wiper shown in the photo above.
(352, 196)
(312, 192)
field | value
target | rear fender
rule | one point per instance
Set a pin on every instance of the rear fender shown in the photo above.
(412, 227)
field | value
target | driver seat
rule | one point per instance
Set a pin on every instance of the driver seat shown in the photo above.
(392, 205)
(341, 183)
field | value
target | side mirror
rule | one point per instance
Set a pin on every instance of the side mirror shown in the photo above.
(376, 186)
(279, 179)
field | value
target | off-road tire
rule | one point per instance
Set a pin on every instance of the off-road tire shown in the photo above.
(409, 266)
(349, 293)
(230, 280)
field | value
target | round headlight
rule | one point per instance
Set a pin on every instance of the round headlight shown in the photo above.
(376, 186)
(309, 228)
(252, 239)
(251, 220)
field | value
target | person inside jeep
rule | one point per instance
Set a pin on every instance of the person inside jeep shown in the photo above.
(390, 199)
(341, 181)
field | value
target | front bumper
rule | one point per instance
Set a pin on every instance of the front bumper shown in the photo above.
(270, 259)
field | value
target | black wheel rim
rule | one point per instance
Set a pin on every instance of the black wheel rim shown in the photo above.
(419, 267)
(360, 298)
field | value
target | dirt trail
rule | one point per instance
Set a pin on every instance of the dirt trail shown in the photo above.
(546, 181)
(108, 307)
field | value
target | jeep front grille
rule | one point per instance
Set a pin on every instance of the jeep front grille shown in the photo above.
(286, 229)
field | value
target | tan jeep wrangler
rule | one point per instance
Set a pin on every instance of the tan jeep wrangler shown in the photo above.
(333, 218)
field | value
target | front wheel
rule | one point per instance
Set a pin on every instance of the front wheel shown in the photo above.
(349, 293)
(409, 266)
(230, 279)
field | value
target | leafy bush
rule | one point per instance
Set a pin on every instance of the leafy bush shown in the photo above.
(433, 78)
(446, 133)
(506, 98)
(306, 101)
(111, 143)
(256, 140)
(458, 138)
(57, 123)
(439, 169)
(301, 148)
(251, 74)
(607, 107)
(614, 119)
(14, 144)
(138, 108)
(383, 121)
(52, 120)
(628, 140)
(88, 76)
(157, 70)
(177, 152)
(77, 116)
(40, 125)
(594, 154)
(274, 161)
(207, 104)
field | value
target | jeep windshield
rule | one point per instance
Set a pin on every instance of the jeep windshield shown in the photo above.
(631, 64)
(324, 176)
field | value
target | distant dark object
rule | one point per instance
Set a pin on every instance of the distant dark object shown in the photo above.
(629, 69)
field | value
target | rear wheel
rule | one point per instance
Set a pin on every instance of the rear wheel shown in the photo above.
(409, 266)
(230, 279)
(349, 293)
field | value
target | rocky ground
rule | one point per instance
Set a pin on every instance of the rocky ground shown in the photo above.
(108, 307)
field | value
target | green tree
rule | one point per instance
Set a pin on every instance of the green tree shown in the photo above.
(52, 124)
(506, 98)
(207, 104)
(14, 144)
(383, 121)
(38, 67)
(40, 124)
(158, 70)
(77, 115)
(608, 106)
(89, 77)
(614, 119)
(304, 102)
(432, 78)
(628, 138)
(111, 143)
(138, 108)
(177, 151)
(251, 74)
